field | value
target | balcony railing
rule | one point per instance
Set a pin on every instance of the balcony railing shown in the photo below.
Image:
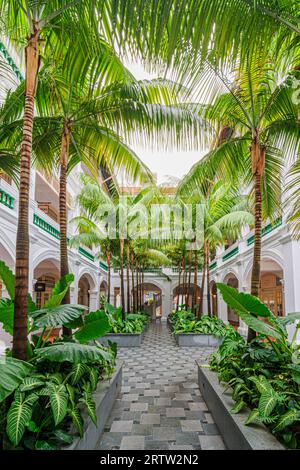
(42, 224)
(6, 199)
(230, 254)
(267, 229)
(86, 253)
(103, 266)
(213, 265)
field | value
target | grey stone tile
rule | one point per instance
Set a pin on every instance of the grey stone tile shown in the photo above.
(200, 406)
(211, 443)
(151, 393)
(139, 406)
(150, 418)
(156, 445)
(142, 429)
(121, 426)
(164, 433)
(188, 425)
(174, 412)
(162, 401)
(132, 443)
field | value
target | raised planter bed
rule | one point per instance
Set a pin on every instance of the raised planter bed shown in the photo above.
(236, 435)
(197, 339)
(123, 340)
(105, 396)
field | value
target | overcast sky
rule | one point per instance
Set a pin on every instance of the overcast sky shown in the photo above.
(164, 164)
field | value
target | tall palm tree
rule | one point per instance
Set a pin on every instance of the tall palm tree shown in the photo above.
(37, 24)
(224, 213)
(265, 126)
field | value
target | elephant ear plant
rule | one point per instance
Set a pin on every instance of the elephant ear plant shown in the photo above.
(41, 400)
(264, 374)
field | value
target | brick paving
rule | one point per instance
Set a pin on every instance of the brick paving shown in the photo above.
(160, 406)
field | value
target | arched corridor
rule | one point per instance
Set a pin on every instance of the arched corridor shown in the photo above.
(45, 274)
(214, 298)
(186, 295)
(232, 317)
(84, 291)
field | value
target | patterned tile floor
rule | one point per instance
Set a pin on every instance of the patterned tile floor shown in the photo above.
(160, 406)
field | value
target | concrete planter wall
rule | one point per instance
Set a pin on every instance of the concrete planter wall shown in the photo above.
(197, 339)
(105, 396)
(123, 340)
(235, 434)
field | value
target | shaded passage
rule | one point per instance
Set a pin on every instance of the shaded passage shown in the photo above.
(160, 406)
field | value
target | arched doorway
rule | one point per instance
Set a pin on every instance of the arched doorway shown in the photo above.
(271, 287)
(232, 317)
(103, 289)
(214, 298)
(180, 293)
(46, 274)
(151, 298)
(84, 291)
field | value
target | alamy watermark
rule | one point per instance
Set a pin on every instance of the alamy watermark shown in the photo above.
(154, 222)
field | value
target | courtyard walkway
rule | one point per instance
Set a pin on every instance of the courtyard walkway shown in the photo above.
(160, 406)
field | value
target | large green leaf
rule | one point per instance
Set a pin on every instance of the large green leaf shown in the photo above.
(8, 279)
(30, 383)
(262, 384)
(89, 402)
(267, 403)
(7, 315)
(73, 352)
(57, 316)
(59, 401)
(96, 325)
(12, 373)
(290, 318)
(260, 326)
(19, 415)
(243, 302)
(288, 418)
(77, 419)
(59, 291)
(77, 372)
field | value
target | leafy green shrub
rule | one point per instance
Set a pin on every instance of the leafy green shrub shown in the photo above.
(186, 322)
(264, 374)
(40, 399)
(134, 323)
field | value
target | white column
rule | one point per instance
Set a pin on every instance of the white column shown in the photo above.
(94, 300)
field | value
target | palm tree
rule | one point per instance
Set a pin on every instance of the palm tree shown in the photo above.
(264, 123)
(224, 213)
(185, 33)
(36, 23)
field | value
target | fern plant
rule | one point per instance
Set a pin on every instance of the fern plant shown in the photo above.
(264, 374)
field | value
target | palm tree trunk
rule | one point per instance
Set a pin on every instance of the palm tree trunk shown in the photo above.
(137, 284)
(200, 311)
(63, 217)
(187, 298)
(122, 278)
(32, 56)
(132, 282)
(143, 289)
(128, 274)
(195, 281)
(179, 279)
(183, 279)
(258, 154)
(207, 281)
(108, 260)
